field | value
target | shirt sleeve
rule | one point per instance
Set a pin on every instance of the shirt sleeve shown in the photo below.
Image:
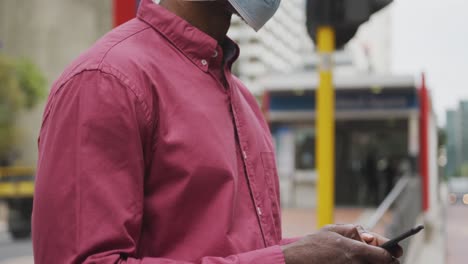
(270, 255)
(89, 192)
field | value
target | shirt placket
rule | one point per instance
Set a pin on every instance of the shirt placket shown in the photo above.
(243, 146)
(247, 168)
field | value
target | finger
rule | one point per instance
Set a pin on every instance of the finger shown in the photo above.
(346, 230)
(366, 236)
(372, 254)
(379, 240)
(369, 238)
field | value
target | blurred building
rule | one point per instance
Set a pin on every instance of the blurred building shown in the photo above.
(283, 46)
(377, 134)
(51, 33)
(278, 47)
(369, 52)
(457, 139)
(371, 48)
(453, 149)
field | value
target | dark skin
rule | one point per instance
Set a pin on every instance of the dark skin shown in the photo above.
(213, 18)
(335, 244)
(340, 244)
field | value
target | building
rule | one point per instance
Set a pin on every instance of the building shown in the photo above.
(463, 115)
(51, 33)
(377, 129)
(283, 46)
(280, 46)
(457, 140)
(371, 48)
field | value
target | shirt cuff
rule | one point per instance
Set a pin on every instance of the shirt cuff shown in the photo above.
(270, 255)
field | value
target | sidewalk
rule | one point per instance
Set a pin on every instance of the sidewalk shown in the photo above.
(431, 246)
(21, 260)
(3, 218)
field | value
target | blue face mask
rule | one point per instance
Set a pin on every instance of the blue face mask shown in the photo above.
(256, 12)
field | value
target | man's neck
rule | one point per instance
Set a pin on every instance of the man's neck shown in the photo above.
(211, 17)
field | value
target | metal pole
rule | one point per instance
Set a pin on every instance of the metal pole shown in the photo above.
(424, 153)
(325, 127)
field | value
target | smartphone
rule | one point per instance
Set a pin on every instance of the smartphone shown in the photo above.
(394, 242)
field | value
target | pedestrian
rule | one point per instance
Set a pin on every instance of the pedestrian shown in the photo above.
(370, 172)
(151, 151)
(391, 174)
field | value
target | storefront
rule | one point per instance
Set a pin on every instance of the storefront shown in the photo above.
(377, 132)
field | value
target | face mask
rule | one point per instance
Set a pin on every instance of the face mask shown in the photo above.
(254, 12)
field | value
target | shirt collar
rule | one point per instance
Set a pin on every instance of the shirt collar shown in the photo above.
(195, 44)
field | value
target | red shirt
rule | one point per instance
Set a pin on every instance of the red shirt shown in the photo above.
(146, 155)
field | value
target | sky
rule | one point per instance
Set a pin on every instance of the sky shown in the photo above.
(431, 36)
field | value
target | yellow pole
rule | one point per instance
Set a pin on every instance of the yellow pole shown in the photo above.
(325, 127)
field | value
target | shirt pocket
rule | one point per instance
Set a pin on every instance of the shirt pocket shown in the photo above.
(272, 186)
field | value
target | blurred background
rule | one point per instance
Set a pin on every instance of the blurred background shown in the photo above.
(401, 115)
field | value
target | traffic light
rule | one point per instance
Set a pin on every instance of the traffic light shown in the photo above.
(345, 16)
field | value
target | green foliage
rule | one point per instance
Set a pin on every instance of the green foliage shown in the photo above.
(464, 170)
(442, 137)
(22, 86)
(31, 82)
(461, 171)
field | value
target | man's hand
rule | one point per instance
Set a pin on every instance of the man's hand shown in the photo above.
(340, 244)
(360, 234)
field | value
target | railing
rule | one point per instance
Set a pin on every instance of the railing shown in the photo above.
(404, 201)
(387, 203)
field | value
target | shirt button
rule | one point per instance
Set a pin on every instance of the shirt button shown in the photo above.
(244, 154)
(204, 62)
(215, 54)
(259, 211)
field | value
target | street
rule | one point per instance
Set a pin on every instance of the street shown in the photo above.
(457, 234)
(14, 252)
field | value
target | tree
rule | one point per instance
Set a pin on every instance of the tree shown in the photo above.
(22, 86)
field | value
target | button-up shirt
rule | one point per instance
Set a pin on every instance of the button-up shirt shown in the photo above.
(151, 151)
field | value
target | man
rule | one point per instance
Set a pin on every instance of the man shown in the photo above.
(152, 152)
